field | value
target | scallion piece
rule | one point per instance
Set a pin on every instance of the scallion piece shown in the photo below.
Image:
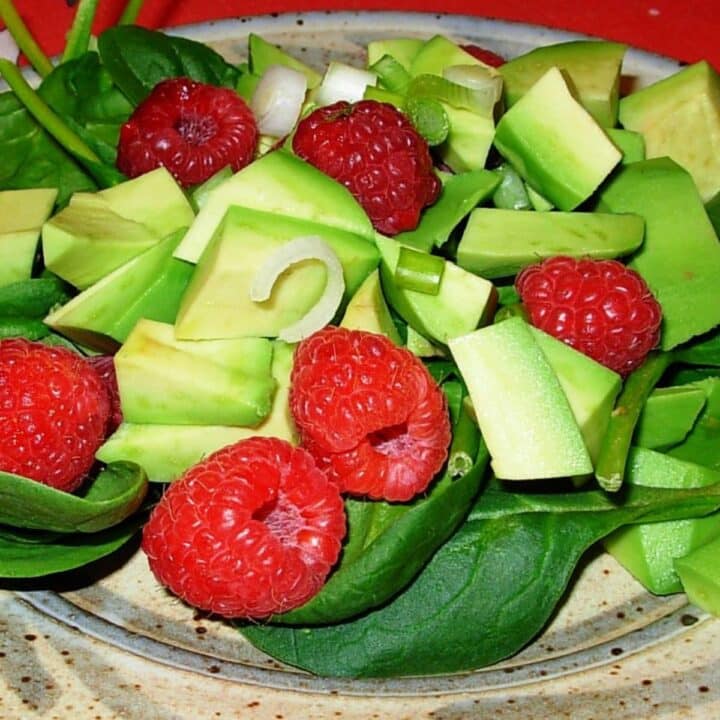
(429, 118)
(392, 74)
(78, 39)
(419, 271)
(23, 37)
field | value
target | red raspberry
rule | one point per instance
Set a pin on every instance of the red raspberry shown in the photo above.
(105, 367)
(369, 412)
(600, 307)
(375, 151)
(193, 129)
(484, 56)
(251, 530)
(54, 410)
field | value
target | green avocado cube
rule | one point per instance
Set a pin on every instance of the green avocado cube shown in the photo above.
(669, 415)
(699, 573)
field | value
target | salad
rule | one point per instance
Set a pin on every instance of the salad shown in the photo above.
(342, 396)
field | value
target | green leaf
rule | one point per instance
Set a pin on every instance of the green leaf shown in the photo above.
(704, 350)
(116, 493)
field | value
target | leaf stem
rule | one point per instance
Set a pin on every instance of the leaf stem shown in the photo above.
(610, 468)
(42, 112)
(78, 39)
(131, 12)
(23, 37)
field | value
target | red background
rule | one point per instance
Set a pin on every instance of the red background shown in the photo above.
(688, 30)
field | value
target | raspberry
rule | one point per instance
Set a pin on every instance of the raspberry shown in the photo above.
(369, 412)
(105, 367)
(375, 151)
(484, 56)
(251, 530)
(600, 307)
(54, 410)
(191, 128)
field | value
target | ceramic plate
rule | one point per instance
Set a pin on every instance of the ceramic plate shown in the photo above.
(611, 649)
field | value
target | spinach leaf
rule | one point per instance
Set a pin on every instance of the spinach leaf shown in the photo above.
(113, 495)
(31, 554)
(486, 593)
(704, 350)
(138, 59)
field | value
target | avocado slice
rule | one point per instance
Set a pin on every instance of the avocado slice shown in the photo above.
(438, 53)
(555, 144)
(680, 257)
(629, 142)
(499, 243)
(217, 303)
(700, 576)
(278, 182)
(669, 415)
(520, 406)
(592, 67)
(679, 117)
(168, 381)
(262, 54)
(367, 310)
(402, 49)
(22, 214)
(469, 140)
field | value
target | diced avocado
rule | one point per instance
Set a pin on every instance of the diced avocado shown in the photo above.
(647, 550)
(22, 214)
(214, 382)
(463, 302)
(402, 49)
(469, 140)
(386, 96)
(419, 345)
(712, 207)
(592, 67)
(680, 257)
(278, 182)
(150, 286)
(263, 54)
(669, 415)
(538, 202)
(512, 192)
(200, 193)
(591, 388)
(166, 451)
(630, 143)
(367, 310)
(217, 303)
(699, 573)
(679, 117)
(499, 243)
(555, 144)
(439, 53)
(521, 409)
(86, 241)
(459, 195)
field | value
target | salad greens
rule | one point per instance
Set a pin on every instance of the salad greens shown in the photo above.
(457, 579)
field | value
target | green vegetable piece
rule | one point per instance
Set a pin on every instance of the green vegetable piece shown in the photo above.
(116, 493)
(438, 53)
(401, 49)
(262, 54)
(713, 210)
(130, 12)
(420, 271)
(668, 416)
(511, 193)
(469, 140)
(24, 39)
(429, 118)
(78, 39)
(630, 143)
(392, 74)
(367, 310)
(29, 328)
(200, 193)
(680, 257)
(419, 345)
(32, 298)
(703, 350)
(538, 202)
(700, 576)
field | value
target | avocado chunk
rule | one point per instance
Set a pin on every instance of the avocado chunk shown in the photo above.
(679, 117)
(166, 451)
(630, 143)
(499, 243)
(438, 53)
(669, 415)
(402, 49)
(680, 257)
(150, 286)
(699, 574)
(278, 182)
(648, 550)
(214, 382)
(22, 214)
(367, 310)
(263, 54)
(592, 67)
(463, 302)
(519, 403)
(555, 144)
(217, 303)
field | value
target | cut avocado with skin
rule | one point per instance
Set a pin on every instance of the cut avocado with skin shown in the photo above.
(215, 382)
(679, 117)
(699, 574)
(463, 302)
(499, 243)
(680, 257)
(217, 302)
(647, 550)
(22, 214)
(367, 310)
(278, 182)
(668, 416)
(555, 144)
(592, 67)
(521, 408)
(166, 451)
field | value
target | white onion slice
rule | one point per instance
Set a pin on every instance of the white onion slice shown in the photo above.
(278, 99)
(483, 80)
(309, 247)
(8, 47)
(343, 82)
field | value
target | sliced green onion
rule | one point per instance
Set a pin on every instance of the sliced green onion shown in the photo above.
(429, 118)
(480, 101)
(297, 250)
(78, 39)
(384, 96)
(420, 271)
(480, 78)
(131, 12)
(24, 39)
(343, 82)
(278, 99)
(392, 74)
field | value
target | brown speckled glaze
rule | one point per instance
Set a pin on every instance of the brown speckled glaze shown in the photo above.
(121, 647)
